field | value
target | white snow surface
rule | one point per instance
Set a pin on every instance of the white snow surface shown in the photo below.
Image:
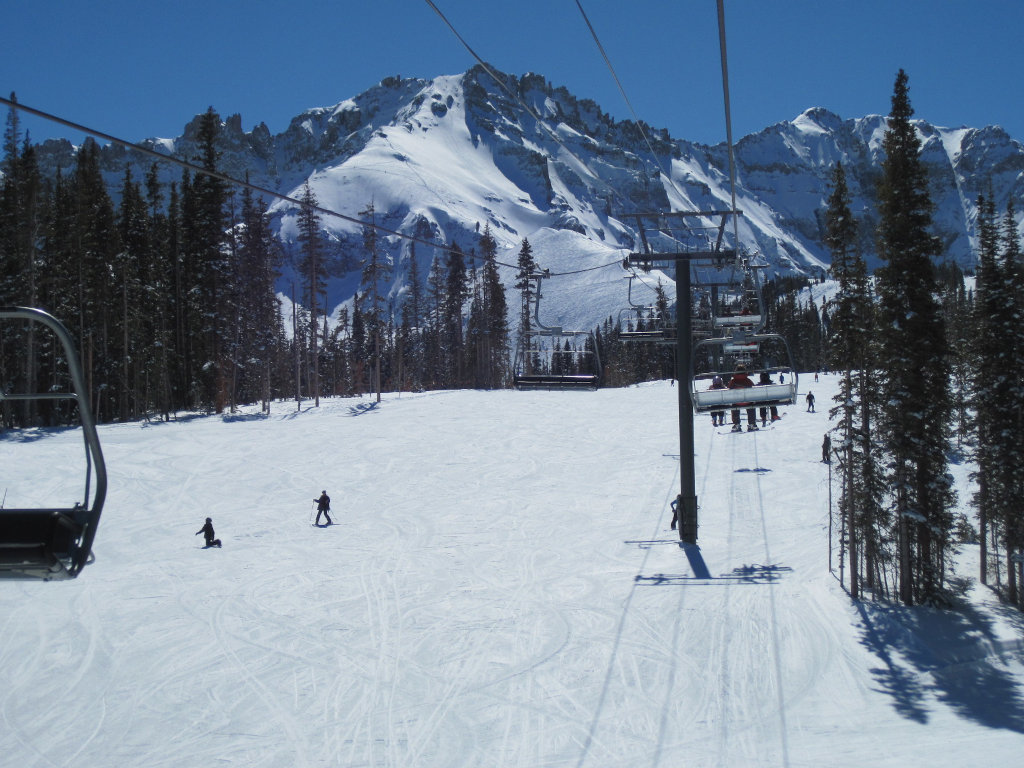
(500, 588)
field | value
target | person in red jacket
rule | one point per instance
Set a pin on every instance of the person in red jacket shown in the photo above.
(740, 380)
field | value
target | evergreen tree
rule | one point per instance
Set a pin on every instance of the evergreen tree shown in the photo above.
(314, 284)
(157, 286)
(915, 362)
(96, 242)
(992, 380)
(526, 268)
(432, 343)
(133, 227)
(209, 308)
(411, 332)
(21, 269)
(850, 352)
(1008, 471)
(260, 262)
(456, 290)
(376, 270)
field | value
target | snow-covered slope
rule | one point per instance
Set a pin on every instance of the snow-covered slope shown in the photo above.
(501, 589)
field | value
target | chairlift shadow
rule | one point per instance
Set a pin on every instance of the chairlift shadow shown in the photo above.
(744, 574)
(361, 408)
(231, 418)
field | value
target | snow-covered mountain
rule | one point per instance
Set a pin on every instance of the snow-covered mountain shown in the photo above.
(442, 158)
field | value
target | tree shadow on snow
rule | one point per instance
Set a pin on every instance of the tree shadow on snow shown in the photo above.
(32, 434)
(952, 654)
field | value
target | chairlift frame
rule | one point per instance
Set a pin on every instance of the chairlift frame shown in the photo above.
(745, 348)
(52, 542)
(660, 328)
(524, 378)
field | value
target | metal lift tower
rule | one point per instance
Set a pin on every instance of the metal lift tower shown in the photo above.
(683, 261)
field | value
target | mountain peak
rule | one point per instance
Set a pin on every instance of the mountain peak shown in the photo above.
(456, 153)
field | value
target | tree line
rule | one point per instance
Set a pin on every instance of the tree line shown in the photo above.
(171, 295)
(931, 372)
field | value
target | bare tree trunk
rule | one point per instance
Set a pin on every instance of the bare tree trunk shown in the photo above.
(983, 527)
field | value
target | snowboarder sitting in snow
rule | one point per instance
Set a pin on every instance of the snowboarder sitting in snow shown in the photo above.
(323, 507)
(207, 531)
(740, 380)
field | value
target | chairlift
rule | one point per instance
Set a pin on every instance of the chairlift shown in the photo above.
(551, 357)
(735, 300)
(54, 542)
(644, 322)
(760, 354)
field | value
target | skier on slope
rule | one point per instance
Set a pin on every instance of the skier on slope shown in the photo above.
(207, 531)
(323, 507)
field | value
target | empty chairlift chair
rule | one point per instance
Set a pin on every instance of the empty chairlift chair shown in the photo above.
(550, 357)
(52, 541)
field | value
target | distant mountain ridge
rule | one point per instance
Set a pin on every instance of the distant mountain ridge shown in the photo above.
(442, 158)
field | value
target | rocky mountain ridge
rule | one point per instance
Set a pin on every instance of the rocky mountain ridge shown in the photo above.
(442, 158)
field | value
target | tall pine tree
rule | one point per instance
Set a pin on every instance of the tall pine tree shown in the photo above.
(914, 363)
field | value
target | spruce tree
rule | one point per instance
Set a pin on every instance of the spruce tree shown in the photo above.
(376, 270)
(411, 333)
(455, 293)
(526, 268)
(96, 242)
(849, 351)
(313, 282)
(260, 261)
(206, 272)
(495, 309)
(133, 227)
(915, 366)
(1012, 466)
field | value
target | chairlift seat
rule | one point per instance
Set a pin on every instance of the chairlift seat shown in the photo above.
(734, 321)
(38, 544)
(652, 335)
(706, 400)
(49, 542)
(552, 382)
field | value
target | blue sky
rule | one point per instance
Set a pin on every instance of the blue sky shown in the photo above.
(142, 69)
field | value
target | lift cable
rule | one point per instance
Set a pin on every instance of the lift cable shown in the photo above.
(148, 151)
(728, 118)
(529, 109)
(622, 90)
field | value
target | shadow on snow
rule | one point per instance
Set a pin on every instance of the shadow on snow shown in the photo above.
(951, 653)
